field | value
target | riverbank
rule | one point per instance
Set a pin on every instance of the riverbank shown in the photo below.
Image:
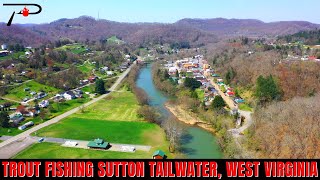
(187, 118)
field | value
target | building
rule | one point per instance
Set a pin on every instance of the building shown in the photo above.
(69, 95)
(4, 53)
(98, 144)
(25, 126)
(159, 155)
(44, 104)
(4, 47)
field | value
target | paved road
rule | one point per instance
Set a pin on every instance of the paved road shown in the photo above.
(14, 148)
(83, 144)
(227, 99)
(236, 133)
(58, 118)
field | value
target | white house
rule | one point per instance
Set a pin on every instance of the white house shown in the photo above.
(110, 73)
(4, 47)
(69, 95)
(44, 104)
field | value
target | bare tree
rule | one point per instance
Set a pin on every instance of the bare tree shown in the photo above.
(174, 131)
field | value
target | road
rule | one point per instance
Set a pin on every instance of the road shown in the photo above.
(60, 117)
(227, 99)
(237, 132)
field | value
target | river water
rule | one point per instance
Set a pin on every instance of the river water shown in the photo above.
(197, 143)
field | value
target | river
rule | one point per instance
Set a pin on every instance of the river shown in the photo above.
(196, 143)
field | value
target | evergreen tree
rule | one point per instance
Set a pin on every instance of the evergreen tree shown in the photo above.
(218, 103)
(192, 83)
(4, 119)
(100, 89)
(267, 89)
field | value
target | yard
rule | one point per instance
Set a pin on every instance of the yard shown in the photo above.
(55, 151)
(74, 48)
(19, 94)
(114, 40)
(200, 94)
(119, 106)
(14, 55)
(112, 131)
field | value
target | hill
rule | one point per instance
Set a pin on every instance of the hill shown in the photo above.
(195, 31)
(248, 27)
(84, 28)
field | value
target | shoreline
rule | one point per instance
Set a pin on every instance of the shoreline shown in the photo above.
(188, 119)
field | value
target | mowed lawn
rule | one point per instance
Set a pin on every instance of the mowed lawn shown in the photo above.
(55, 151)
(114, 119)
(119, 106)
(18, 93)
(89, 129)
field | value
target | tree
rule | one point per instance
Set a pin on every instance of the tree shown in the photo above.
(218, 103)
(192, 83)
(194, 95)
(148, 113)
(100, 89)
(177, 73)
(174, 131)
(267, 89)
(4, 119)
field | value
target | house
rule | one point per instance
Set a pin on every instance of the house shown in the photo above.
(25, 126)
(92, 79)
(230, 93)
(58, 98)
(159, 155)
(69, 95)
(16, 118)
(4, 47)
(98, 144)
(104, 69)
(84, 82)
(219, 80)
(26, 112)
(110, 73)
(4, 53)
(239, 100)
(78, 93)
(44, 104)
(312, 58)
(41, 95)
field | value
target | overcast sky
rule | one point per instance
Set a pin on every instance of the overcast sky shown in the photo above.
(167, 11)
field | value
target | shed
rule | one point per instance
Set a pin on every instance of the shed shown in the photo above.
(98, 144)
(159, 155)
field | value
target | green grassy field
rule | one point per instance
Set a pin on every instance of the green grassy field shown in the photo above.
(14, 55)
(114, 40)
(114, 119)
(55, 151)
(18, 93)
(86, 68)
(245, 107)
(74, 48)
(119, 106)
(90, 88)
(200, 93)
(111, 131)
(60, 108)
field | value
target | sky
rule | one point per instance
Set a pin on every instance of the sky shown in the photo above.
(166, 11)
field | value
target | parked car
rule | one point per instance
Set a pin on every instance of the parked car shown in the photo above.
(41, 140)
